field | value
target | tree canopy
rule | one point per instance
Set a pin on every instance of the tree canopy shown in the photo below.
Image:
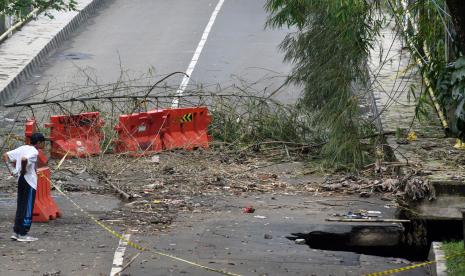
(329, 51)
(20, 8)
(329, 47)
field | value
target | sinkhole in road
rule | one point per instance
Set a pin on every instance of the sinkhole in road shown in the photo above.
(409, 241)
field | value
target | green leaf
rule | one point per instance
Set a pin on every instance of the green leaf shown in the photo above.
(457, 91)
(460, 63)
(458, 75)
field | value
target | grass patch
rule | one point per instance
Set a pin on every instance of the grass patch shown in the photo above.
(455, 266)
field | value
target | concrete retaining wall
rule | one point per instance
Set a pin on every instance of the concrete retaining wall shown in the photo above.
(436, 254)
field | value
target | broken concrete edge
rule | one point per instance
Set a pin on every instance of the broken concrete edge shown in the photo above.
(447, 187)
(436, 254)
(439, 185)
(53, 44)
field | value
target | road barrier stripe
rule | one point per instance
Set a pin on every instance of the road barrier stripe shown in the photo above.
(135, 245)
(397, 270)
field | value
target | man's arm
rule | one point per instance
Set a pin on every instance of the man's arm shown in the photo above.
(23, 165)
(7, 163)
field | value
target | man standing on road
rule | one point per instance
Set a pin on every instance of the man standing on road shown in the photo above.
(21, 162)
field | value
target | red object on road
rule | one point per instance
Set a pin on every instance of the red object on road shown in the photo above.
(186, 128)
(45, 208)
(156, 130)
(139, 133)
(248, 210)
(75, 135)
(31, 128)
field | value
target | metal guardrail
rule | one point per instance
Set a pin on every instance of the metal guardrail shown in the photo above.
(19, 24)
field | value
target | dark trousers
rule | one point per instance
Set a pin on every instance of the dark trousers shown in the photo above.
(25, 204)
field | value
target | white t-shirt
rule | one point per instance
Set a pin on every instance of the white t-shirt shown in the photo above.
(31, 154)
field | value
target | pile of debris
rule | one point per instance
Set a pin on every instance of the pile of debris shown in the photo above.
(413, 186)
(157, 188)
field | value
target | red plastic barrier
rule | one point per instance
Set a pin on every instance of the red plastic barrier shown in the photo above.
(186, 128)
(75, 135)
(139, 132)
(30, 128)
(45, 208)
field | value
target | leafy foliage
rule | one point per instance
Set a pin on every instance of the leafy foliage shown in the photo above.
(21, 8)
(450, 87)
(245, 121)
(329, 51)
(330, 48)
(434, 42)
(456, 265)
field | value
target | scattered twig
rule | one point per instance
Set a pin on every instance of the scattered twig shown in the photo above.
(129, 263)
(122, 193)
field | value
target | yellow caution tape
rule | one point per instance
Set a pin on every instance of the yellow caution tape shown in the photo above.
(135, 245)
(397, 270)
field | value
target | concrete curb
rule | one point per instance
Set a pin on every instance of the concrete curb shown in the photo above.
(28, 70)
(437, 254)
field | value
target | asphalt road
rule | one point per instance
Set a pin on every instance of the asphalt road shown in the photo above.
(71, 245)
(221, 237)
(162, 36)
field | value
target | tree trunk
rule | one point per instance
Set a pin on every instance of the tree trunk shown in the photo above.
(457, 11)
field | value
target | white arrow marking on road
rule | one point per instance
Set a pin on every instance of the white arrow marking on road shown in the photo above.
(118, 259)
(195, 58)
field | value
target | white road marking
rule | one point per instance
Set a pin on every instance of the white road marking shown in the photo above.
(118, 259)
(195, 58)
